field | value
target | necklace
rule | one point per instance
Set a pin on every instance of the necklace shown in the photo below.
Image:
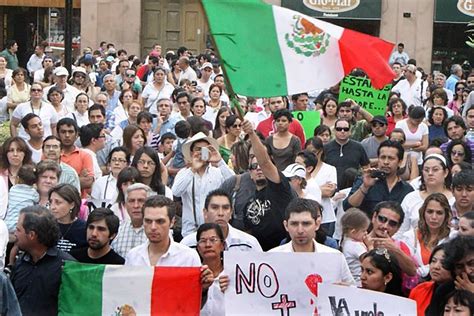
(68, 229)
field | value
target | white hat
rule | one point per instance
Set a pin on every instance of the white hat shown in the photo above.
(294, 170)
(199, 136)
(61, 71)
(206, 65)
(79, 69)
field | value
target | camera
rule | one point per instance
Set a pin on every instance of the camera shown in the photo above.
(377, 174)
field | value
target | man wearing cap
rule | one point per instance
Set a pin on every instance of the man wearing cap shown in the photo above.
(186, 71)
(206, 171)
(410, 87)
(70, 92)
(216, 68)
(296, 174)
(205, 81)
(372, 143)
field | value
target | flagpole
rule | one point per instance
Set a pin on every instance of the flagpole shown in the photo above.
(232, 95)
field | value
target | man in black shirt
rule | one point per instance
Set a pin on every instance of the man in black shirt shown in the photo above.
(102, 227)
(36, 276)
(265, 209)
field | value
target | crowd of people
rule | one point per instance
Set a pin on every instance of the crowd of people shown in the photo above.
(149, 162)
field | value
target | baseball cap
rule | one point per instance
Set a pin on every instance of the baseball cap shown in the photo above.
(61, 71)
(79, 69)
(379, 119)
(206, 65)
(294, 170)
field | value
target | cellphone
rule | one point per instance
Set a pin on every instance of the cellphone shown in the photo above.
(377, 174)
(204, 154)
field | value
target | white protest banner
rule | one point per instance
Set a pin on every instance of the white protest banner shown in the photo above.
(347, 300)
(289, 284)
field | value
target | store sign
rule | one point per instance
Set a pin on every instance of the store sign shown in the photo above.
(338, 9)
(332, 6)
(454, 11)
(466, 7)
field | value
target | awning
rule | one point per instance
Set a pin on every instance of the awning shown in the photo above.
(454, 11)
(337, 9)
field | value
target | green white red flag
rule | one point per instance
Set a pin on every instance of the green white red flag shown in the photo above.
(270, 51)
(111, 290)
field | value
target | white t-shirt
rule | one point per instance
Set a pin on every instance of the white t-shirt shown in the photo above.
(36, 154)
(46, 112)
(152, 95)
(327, 173)
(417, 136)
(352, 251)
(81, 119)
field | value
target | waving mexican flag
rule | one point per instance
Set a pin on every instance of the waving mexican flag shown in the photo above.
(270, 51)
(111, 290)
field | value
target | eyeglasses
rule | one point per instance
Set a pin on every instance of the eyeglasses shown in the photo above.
(130, 75)
(212, 240)
(382, 219)
(253, 166)
(114, 160)
(460, 88)
(457, 153)
(378, 124)
(237, 125)
(36, 90)
(340, 129)
(470, 82)
(400, 141)
(143, 163)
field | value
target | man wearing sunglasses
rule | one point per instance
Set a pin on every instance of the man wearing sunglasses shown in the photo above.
(381, 184)
(343, 152)
(372, 143)
(386, 220)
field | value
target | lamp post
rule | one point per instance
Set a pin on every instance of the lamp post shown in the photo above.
(68, 35)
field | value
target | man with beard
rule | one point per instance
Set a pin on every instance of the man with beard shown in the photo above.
(102, 227)
(382, 184)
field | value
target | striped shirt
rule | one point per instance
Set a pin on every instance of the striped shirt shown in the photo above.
(20, 196)
(128, 237)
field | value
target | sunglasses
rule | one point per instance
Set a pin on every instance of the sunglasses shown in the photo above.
(378, 125)
(340, 129)
(382, 219)
(253, 166)
(130, 75)
(236, 125)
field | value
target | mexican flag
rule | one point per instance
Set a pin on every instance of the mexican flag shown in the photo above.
(272, 51)
(111, 290)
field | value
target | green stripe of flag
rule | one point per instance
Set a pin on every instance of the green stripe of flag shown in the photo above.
(240, 28)
(81, 289)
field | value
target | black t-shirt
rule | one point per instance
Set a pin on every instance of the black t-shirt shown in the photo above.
(110, 258)
(73, 236)
(265, 212)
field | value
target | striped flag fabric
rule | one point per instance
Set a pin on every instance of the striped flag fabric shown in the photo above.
(269, 51)
(112, 290)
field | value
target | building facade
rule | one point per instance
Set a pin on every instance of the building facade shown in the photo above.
(433, 31)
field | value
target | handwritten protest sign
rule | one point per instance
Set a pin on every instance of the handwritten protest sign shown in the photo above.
(309, 120)
(295, 284)
(360, 90)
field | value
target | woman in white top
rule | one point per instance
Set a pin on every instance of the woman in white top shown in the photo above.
(36, 106)
(210, 246)
(435, 177)
(432, 229)
(326, 177)
(121, 111)
(81, 105)
(55, 97)
(416, 132)
(5, 73)
(104, 190)
(158, 89)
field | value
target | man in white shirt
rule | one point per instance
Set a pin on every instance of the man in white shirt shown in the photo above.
(207, 172)
(35, 62)
(34, 128)
(92, 138)
(186, 71)
(218, 209)
(39, 74)
(205, 81)
(302, 220)
(410, 87)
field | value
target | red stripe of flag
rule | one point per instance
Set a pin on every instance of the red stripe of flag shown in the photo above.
(176, 291)
(369, 53)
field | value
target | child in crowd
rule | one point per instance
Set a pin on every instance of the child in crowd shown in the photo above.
(21, 195)
(165, 150)
(183, 131)
(354, 239)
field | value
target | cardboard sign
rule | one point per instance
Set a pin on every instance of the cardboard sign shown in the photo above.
(300, 284)
(360, 90)
(309, 120)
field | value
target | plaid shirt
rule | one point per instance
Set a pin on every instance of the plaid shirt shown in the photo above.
(127, 238)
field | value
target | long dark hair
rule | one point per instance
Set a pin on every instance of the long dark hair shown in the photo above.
(156, 184)
(385, 261)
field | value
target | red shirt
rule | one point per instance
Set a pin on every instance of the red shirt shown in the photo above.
(422, 294)
(267, 128)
